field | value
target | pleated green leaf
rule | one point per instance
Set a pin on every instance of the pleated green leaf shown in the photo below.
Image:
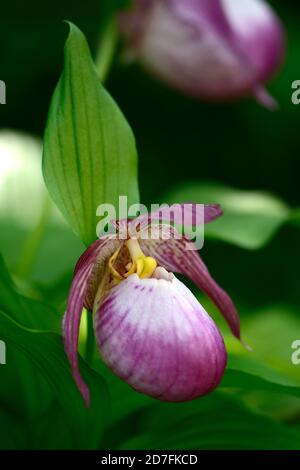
(46, 354)
(89, 153)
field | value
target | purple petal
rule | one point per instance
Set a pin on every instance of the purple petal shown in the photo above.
(212, 212)
(188, 214)
(179, 255)
(93, 256)
(212, 11)
(97, 254)
(265, 99)
(156, 336)
(71, 323)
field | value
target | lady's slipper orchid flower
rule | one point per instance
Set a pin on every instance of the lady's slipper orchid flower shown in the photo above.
(150, 329)
(211, 49)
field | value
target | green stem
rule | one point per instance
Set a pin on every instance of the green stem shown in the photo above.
(34, 240)
(90, 339)
(107, 49)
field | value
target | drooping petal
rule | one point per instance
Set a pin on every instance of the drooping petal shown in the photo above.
(156, 336)
(97, 254)
(93, 258)
(179, 255)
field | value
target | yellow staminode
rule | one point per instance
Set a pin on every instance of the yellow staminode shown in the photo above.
(143, 266)
(149, 267)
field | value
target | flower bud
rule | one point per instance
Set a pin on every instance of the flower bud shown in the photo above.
(154, 334)
(209, 49)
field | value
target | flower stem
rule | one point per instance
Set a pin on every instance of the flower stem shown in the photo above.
(90, 339)
(33, 241)
(107, 49)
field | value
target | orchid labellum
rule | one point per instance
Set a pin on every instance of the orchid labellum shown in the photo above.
(150, 329)
(210, 49)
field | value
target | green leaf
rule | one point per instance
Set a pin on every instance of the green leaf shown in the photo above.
(27, 312)
(89, 149)
(244, 376)
(270, 331)
(41, 362)
(51, 431)
(263, 388)
(46, 353)
(295, 217)
(12, 436)
(22, 390)
(266, 376)
(250, 220)
(248, 374)
(213, 422)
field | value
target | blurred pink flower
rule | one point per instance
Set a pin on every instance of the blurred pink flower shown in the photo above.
(209, 49)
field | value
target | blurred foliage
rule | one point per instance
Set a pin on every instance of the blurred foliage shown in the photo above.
(44, 350)
(238, 154)
(30, 222)
(198, 426)
(250, 218)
